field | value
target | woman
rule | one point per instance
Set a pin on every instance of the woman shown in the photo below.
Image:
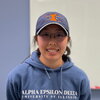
(49, 74)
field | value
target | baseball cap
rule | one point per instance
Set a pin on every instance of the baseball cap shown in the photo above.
(52, 18)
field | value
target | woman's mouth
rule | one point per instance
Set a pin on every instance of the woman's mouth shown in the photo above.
(52, 51)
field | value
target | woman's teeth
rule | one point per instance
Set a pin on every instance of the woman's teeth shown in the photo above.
(52, 50)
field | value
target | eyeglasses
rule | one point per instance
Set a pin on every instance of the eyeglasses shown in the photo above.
(57, 36)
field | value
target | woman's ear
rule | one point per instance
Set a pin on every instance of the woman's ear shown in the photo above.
(69, 38)
(35, 40)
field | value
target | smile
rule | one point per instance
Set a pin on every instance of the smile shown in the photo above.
(52, 50)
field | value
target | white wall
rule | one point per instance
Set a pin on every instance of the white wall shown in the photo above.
(84, 22)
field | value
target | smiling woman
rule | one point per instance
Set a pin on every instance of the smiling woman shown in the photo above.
(49, 73)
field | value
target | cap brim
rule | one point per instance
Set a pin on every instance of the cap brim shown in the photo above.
(50, 24)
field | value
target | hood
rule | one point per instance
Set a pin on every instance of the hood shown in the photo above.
(35, 62)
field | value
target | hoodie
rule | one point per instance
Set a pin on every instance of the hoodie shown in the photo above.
(32, 80)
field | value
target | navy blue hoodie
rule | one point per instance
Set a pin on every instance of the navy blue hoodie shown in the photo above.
(32, 80)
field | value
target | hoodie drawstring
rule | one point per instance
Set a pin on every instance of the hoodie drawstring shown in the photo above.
(47, 73)
(61, 81)
(60, 78)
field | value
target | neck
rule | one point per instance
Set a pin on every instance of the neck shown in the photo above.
(51, 63)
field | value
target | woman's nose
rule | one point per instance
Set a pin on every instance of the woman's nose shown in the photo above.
(52, 41)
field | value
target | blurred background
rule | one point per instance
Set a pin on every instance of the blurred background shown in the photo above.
(17, 27)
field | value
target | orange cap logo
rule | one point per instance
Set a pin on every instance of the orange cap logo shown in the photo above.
(53, 17)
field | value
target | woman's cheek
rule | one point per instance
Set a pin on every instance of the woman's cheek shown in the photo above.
(40, 42)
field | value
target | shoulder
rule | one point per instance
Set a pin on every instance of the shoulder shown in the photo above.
(84, 80)
(80, 73)
(18, 71)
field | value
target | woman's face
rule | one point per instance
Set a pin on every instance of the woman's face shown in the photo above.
(52, 42)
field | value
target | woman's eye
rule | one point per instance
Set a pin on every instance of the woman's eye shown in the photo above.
(45, 34)
(59, 35)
